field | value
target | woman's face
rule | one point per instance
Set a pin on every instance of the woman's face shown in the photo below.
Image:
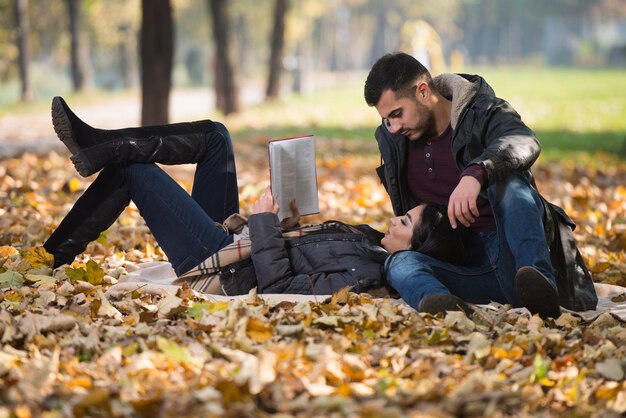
(398, 236)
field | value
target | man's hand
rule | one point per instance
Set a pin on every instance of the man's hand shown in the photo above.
(294, 219)
(462, 203)
(266, 203)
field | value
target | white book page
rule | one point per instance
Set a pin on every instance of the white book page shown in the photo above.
(293, 174)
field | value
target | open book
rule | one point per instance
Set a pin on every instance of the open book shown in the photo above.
(293, 174)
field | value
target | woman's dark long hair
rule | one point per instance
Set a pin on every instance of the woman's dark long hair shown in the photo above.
(435, 237)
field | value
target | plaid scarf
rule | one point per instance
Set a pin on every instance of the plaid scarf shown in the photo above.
(205, 276)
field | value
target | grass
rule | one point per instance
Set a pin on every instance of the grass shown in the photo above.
(570, 110)
(554, 99)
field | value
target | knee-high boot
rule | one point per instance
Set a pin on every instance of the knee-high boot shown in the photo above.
(93, 148)
(95, 211)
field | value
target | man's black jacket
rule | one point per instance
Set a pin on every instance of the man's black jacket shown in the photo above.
(487, 131)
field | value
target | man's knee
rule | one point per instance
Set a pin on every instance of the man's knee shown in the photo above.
(513, 192)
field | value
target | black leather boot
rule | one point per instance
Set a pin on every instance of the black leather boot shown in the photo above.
(95, 211)
(536, 293)
(171, 149)
(93, 148)
(437, 303)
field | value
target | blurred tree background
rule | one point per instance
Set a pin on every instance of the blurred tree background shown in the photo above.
(51, 47)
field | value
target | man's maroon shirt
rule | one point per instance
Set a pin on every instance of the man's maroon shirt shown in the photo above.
(432, 175)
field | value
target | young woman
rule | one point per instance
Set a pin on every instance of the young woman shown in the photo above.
(209, 245)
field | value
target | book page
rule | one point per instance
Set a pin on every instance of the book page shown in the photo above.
(293, 174)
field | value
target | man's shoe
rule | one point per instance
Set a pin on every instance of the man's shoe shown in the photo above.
(433, 304)
(535, 293)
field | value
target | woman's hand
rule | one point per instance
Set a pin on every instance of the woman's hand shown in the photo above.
(294, 219)
(266, 203)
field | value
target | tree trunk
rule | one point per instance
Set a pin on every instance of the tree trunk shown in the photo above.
(79, 57)
(22, 25)
(127, 54)
(226, 91)
(246, 52)
(157, 52)
(379, 46)
(277, 48)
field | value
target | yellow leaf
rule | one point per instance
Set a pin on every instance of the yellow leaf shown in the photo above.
(37, 257)
(608, 391)
(196, 310)
(149, 250)
(258, 330)
(599, 267)
(7, 251)
(572, 393)
(81, 381)
(92, 273)
(343, 390)
(23, 411)
(13, 296)
(95, 274)
(599, 231)
(340, 297)
(544, 381)
(73, 185)
(130, 320)
(512, 354)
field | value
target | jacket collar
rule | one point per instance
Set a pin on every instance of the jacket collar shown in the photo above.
(461, 89)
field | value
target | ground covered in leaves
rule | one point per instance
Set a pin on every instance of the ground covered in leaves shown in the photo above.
(69, 349)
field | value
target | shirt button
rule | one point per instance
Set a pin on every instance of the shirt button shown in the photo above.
(427, 154)
(430, 170)
(428, 142)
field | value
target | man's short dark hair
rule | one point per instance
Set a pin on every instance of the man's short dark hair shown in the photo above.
(396, 72)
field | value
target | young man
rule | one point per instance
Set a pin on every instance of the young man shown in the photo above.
(451, 141)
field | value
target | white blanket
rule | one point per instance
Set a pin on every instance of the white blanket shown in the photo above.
(156, 278)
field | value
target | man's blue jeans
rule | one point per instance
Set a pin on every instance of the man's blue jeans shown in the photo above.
(495, 256)
(184, 225)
